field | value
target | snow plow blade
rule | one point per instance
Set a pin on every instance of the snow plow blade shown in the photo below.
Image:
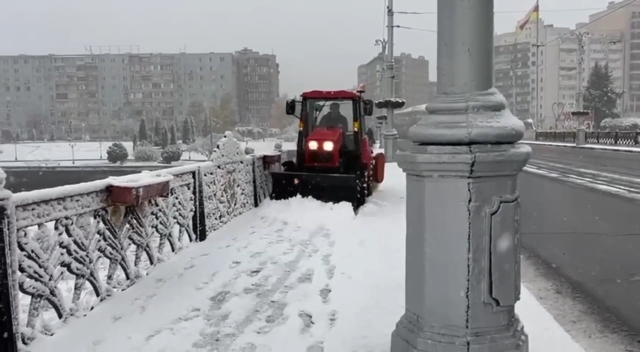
(333, 188)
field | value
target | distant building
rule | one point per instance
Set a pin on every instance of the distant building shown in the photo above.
(91, 91)
(258, 82)
(411, 83)
(512, 72)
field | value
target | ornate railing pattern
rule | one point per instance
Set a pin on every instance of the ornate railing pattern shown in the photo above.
(69, 248)
(629, 138)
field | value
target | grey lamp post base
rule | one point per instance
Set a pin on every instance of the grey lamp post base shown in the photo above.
(411, 336)
(463, 241)
(390, 145)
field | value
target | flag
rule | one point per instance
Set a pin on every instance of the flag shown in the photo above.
(532, 15)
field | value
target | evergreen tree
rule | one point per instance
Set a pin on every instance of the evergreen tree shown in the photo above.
(206, 129)
(599, 95)
(173, 135)
(165, 137)
(194, 127)
(157, 132)
(143, 133)
(186, 131)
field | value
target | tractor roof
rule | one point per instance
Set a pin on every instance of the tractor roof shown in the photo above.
(330, 94)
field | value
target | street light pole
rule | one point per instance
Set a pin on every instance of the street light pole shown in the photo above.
(380, 94)
(462, 277)
(581, 36)
(390, 134)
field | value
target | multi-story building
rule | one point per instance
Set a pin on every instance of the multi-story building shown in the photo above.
(90, 91)
(623, 17)
(258, 82)
(512, 72)
(411, 79)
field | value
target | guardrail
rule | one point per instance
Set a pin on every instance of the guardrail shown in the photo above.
(67, 249)
(626, 138)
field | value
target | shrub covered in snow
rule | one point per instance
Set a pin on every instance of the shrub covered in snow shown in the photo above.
(117, 153)
(621, 124)
(146, 152)
(278, 146)
(203, 145)
(171, 154)
(249, 150)
(290, 137)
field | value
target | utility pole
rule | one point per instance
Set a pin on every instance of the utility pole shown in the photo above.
(462, 277)
(390, 134)
(623, 59)
(581, 36)
(381, 81)
(513, 89)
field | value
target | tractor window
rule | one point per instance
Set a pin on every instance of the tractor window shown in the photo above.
(331, 112)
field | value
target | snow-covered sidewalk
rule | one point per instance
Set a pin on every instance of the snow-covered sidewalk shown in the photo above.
(615, 148)
(290, 276)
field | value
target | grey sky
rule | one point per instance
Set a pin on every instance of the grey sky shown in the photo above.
(319, 43)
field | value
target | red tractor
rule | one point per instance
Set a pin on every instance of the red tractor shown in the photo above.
(334, 160)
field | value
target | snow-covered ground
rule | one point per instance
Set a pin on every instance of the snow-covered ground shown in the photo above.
(289, 276)
(89, 153)
(619, 148)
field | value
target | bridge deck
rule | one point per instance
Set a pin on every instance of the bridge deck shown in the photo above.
(289, 276)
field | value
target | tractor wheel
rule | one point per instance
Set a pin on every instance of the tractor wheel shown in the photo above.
(370, 180)
(361, 190)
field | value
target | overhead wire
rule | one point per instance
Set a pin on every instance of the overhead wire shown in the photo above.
(513, 11)
(595, 20)
(557, 10)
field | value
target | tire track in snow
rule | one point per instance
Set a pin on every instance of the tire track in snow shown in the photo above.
(223, 337)
(226, 291)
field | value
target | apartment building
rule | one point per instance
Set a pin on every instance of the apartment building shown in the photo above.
(92, 91)
(258, 82)
(512, 72)
(411, 82)
(560, 70)
(623, 17)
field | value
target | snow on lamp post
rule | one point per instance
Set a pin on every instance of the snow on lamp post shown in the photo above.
(390, 134)
(462, 277)
(73, 153)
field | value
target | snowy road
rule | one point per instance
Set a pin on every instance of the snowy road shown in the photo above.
(290, 276)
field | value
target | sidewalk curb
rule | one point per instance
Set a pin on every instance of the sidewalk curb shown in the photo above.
(587, 146)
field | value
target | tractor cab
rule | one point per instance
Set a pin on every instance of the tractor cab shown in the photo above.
(331, 130)
(334, 156)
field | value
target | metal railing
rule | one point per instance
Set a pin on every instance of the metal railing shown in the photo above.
(67, 249)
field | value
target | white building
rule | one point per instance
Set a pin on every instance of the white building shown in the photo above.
(556, 72)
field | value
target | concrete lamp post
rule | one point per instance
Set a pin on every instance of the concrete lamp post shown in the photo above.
(462, 241)
(73, 153)
(380, 121)
(390, 135)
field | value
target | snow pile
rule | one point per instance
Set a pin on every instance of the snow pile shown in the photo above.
(228, 149)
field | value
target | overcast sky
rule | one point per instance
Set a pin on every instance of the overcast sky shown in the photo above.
(319, 43)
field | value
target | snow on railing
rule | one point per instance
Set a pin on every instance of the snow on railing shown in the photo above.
(627, 138)
(71, 247)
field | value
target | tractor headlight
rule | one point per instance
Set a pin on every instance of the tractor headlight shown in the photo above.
(327, 146)
(313, 145)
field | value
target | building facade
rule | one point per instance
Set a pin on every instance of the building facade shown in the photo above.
(411, 79)
(512, 72)
(94, 92)
(558, 68)
(258, 82)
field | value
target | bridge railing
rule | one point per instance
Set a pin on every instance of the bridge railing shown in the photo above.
(628, 138)
(67, 249)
